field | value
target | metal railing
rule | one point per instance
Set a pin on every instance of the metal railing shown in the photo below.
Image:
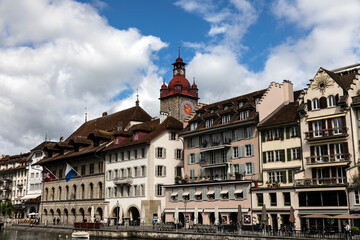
(326, 133)
(120, 181)
(320, 181)
(332, 158)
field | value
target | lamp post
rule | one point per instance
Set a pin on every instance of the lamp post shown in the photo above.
(185, 202)
(117, 210)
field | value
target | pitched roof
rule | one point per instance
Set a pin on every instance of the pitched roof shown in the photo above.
(170, 123)
(41, 146)
(284, 114)
(344, 79)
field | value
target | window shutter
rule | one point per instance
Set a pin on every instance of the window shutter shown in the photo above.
(298, 131)
(197, 157)
(242, 168)
(191, 194)
(336, 99)
(309, 105)
(323, 102)
(252, 149)
(282, 155)
(282, 134)
(196, 142)
(241, 133)
(288, 132)
(253, 168)
(346, 149)
(202, 173)
(169, 192)
(290, 176)
(264, 157)
(231, 169)
(164, 171)
(241, 151)
(175, 156)
(300, 153)
(217, 192)
(156, 171)
(245, 192)
(164, 152)
(180, 192)
(156, 152)
(188, 159)
(310, 125)
(284, 176)
(204, 192)
(263, 134)
(252, 131)
(231, 192)
(289, 154)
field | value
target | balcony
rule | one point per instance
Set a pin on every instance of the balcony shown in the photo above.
(213, 164)
(336, 159)
(122, 181)
(326, 134)
(311, 182)
(214, 145)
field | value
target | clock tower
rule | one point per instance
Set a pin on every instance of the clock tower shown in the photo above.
(178, 99)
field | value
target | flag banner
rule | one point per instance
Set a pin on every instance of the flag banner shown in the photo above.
(69, 173)
(48, 175)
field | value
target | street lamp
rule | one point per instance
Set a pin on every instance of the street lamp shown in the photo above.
(117, 210)
(185, 202)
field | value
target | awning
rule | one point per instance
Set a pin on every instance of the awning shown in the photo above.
(34, 196)
(316, 189)
(326, 117)
(224, 191)
(210, 192)
(320, 165)
(185, 194)
(174, 194)
(238, 191)
(198, 193)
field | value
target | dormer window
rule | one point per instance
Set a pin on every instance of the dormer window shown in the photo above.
(225, 119)
(136, 136)
(177, 87)
(209, 122)
(257, 100)
(226, 107)
(212, 111)
(193, 126)
(244, 114)
(241, 104)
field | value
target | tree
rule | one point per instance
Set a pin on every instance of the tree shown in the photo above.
(7, 208)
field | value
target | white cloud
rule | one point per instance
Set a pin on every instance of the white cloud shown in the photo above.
(58, 57)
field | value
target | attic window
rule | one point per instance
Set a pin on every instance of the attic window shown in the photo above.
(257, 100)
(226, 107)
(193, 126)
(241, 104)
(116, 140)
(212, 111)
(198, 114)
(136, 136)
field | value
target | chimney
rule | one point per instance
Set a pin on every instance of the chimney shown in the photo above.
(104, 114)
(288, 91)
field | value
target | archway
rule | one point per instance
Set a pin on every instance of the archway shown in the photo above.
(58, 212)
(73, 211)
(46, 215)
(82, 213)
(32, 209)
(100, 212)
(212, 218)
(116, 211)
(66, 215)
(134, 216)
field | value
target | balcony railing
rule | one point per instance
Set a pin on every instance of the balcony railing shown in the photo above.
(326, 133)
(213, 163)
(332, 158)
(122, 181)
(320, 181)
(206, 146)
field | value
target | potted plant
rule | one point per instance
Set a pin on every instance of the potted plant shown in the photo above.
(177, 179)
(237, 175)
(276, 184)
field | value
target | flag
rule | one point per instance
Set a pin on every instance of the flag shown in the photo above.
(48, 175)
(69, 173)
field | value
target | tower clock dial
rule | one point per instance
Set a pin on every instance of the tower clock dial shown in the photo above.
(187, 107)
(182, 72)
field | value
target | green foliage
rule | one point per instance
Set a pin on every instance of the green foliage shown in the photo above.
(354, 229)
(355, 180)
(7, 208)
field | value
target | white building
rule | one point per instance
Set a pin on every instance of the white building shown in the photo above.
(139, 161)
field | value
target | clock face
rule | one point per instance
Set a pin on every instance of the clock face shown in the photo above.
(182, 72)
(187, 108)
(175, 72)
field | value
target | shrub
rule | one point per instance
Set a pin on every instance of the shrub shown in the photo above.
(354, 230)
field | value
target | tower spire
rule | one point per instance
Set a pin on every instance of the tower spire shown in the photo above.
(179, 49)
(137, 97)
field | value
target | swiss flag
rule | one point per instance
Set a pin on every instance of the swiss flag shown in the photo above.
(48, 175)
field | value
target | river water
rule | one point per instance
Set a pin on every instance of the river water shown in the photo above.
(27, 235)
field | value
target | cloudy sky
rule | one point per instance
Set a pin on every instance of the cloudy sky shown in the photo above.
(62, 58)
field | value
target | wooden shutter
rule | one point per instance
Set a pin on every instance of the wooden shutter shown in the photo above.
(252, 149)
(282, 155)
(191, 194)
(231, 192)
(312, 151)
(323, 102)
(263, 134)
(282, 134)
(346, 150)
(241, 151)
(343, 124)
(314, 173)
(156, 152)
(325, 149)
(217, 192)
(204, 192)
(264, 157)
(242, 168)
(164, 171)
(245, 192)
(298, 131)
(336, 99)
(197, 157)
(288, 154)
(253, 167)
(310, 129)
(332, 149)
(164, 152)
(300, 153)
(330, 126)
(241, 133)
(288, 132)
(309, 105)
(169, 192)
(180, 192)
(290, 176)
(188, 159)
(284, 176)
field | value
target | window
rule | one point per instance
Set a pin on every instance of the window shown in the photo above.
(248, 150)
(101, 167)
(192, 174)
(135, 154)
(337, 125)
(279, 177)
(241, 104)
(128, 155)
(293, 132)
(315, 104)
(287, 200)
(60, 173)
(331, 101)
(192, 158)
(91, 168)
(38, 154)
(295, 153)
(249, 169)
(318, 153)
(270, 156)
(136, 172)
(32, 175)
(317, 128)
(244, 114)
(278, 155)
(273, 200)
(339, 150)
(159, 190)
(136, 136)
(109, 175)
(160, 152)
(225, 119)
(142, 152)
(160, 171)
(143, 171)
(248, 133)
(236, 152)
(209, 122)
(173, 136)
(269, 135)
(83, 169)
(260, 199)
(357, 200)
(178, 153)
(277, 133)
(271, 177)
(122, 156)
(129, 174)
(193, 126)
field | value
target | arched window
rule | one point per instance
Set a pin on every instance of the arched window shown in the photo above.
(59, 192)
(100, 189)
(315, 103)
(331, 101)
(82, 191)
(46, 194)
(74, 192)
(67, 193)
(91, 191)
(53, 194)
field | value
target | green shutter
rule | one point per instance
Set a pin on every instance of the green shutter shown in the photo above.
(263, 133)
(180, 192)
(282, 133)
(300, 154)
(282, 155)
(217, 192)
(290, 176)
(204, 193)
(298, 131)
(264, 157)
(287, 132)
(284, 176)
(288, 154)
(170, 192)
(192, 193)
(231, 192)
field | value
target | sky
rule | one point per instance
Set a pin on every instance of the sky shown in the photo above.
(62, 58)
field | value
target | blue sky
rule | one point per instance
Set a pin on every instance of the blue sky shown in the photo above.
(62, 58)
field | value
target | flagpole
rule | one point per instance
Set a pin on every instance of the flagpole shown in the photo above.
(74, 170)
(52, 173)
